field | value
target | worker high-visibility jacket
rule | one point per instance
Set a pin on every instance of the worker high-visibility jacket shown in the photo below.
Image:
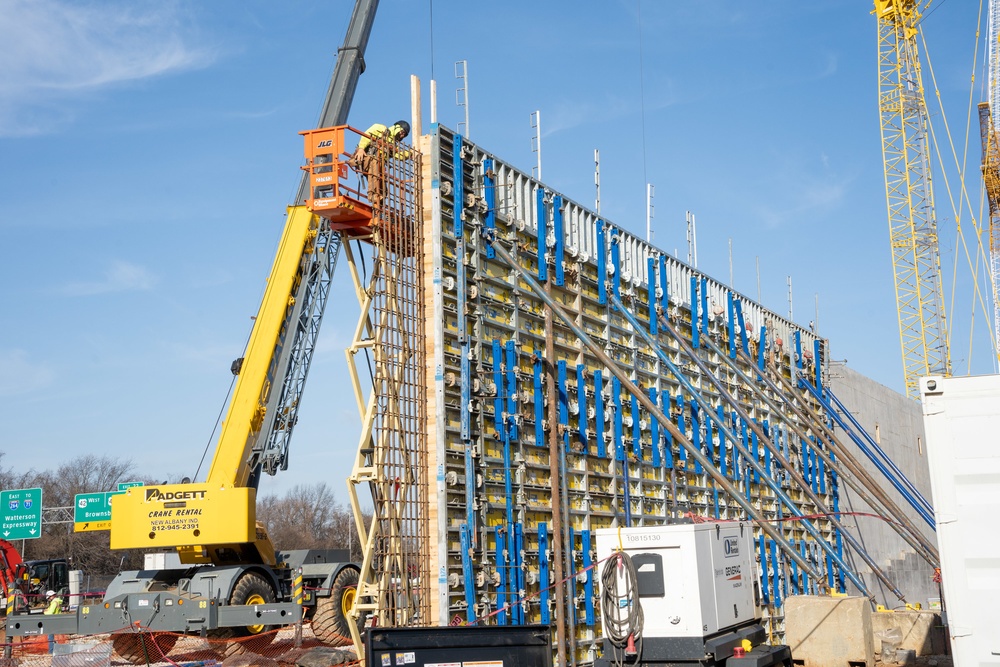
(55, 606)
(381, 132)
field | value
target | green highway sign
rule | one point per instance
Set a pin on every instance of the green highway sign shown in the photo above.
(21, 514)
(92, 511)
(128, 485)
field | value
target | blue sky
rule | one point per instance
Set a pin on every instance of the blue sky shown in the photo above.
(148, 151)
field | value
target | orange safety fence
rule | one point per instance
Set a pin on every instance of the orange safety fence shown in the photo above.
(280, 647)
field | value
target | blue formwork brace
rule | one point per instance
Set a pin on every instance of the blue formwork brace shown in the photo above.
(654, 432)
(795, 585)
(764, 473)
(616, 397)
(775, 573)
(562, 396)
(695, 320)
(581, 419)
(681, 426)
(588, 585)
(651, 294)
(557, 227)
(737, 457)
(765, 589)
(731, 324)
(723, 467)
(664, 286)
(636, 431)
(490, 195)
(602, 264)
(704, 305)
(668, 438)
(616, 264)
(539, 401)
(761, 346)
(512, 391)
(755, 453)
(806, 585)
(602, 450)
(518, 575)
(498, 419)
(744, 342)
(571, 602)
(502, 571)
(470, 580)
(818, 367)
(696, 422)
(543, 571)
(768, 468)
(543, 234)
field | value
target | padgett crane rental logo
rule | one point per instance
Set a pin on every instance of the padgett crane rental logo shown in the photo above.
(153, 494)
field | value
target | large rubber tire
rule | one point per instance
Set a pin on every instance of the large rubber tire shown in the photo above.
(140, 648)
(331, 623)
(251, 588)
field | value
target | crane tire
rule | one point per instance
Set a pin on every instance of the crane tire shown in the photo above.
(251, 588)
(141, 648)
(331, 623)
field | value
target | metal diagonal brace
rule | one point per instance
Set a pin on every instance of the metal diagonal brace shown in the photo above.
(752, 460)
(490, 237)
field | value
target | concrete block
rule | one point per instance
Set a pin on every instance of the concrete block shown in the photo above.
(829, 632)
(922, 631)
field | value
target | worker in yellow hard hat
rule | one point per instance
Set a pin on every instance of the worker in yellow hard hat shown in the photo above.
(374, 148)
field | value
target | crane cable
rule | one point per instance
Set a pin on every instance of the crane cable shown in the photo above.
(621, 612)
(956, 208)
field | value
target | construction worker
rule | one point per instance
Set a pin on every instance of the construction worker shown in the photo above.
(369, 161)
(53, 605)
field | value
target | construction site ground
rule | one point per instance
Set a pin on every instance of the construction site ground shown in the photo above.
(187, 650)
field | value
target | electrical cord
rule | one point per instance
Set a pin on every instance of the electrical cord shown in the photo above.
(621, 612)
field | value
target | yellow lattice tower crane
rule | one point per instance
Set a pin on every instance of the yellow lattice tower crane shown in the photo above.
(909, 195)
(991, 182)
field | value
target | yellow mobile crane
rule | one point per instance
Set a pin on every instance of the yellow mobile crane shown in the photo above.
(231, 581)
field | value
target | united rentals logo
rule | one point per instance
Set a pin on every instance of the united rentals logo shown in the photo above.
(731, 546)
(153, 494)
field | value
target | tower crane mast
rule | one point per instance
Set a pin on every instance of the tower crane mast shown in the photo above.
(909, 195)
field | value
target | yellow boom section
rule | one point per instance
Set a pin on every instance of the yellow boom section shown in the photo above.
(246, 412)
(220, 514)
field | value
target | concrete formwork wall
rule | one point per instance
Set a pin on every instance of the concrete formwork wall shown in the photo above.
(896, 423)
(528, 426)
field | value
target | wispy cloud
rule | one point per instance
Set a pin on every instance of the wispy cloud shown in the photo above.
(18, 375)
(54, 53)
(809, 195)
(120, 277)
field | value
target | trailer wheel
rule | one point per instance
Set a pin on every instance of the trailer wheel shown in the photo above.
(141, 648)
(331, 623)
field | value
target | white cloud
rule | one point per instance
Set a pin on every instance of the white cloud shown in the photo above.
(18, 375)
(56, 52)
(120, 277)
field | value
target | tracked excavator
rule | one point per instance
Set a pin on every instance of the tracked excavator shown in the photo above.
(230, 581)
